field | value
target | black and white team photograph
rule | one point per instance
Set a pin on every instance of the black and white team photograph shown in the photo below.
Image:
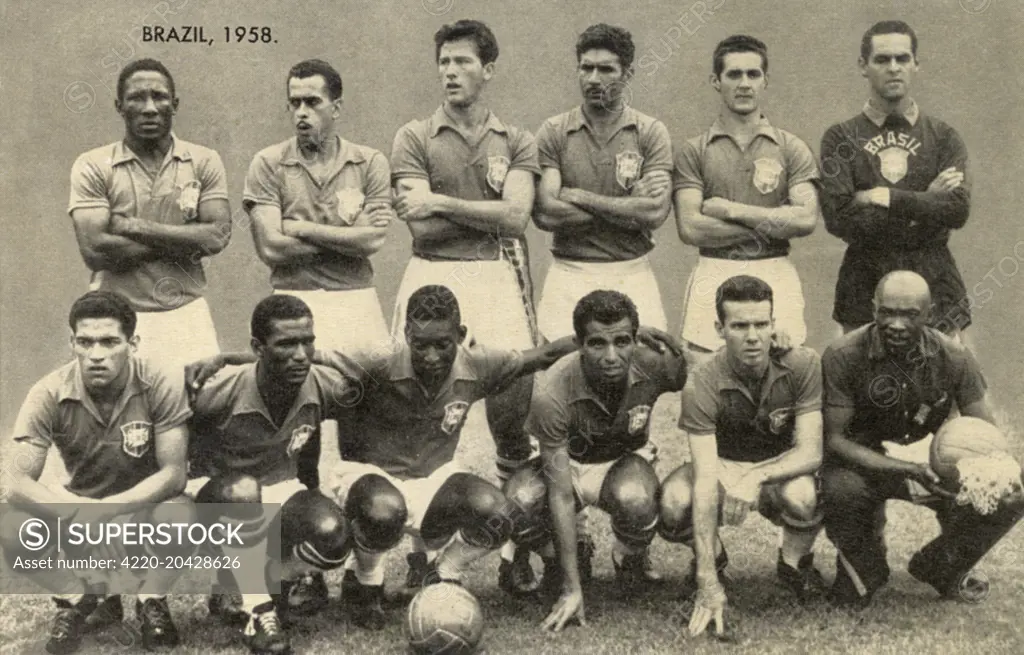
(548, 326)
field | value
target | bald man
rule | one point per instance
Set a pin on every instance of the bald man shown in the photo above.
(888, 386)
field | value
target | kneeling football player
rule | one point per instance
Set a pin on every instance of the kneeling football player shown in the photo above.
(888, 385)
(257, 430)
(121, 428)
(591, 417)
(753, 416)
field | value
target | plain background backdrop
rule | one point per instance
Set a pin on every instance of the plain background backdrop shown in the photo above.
(60, 65)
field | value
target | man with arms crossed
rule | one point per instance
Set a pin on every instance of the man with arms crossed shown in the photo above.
(753, 417)
(605, 187)
(743, 189)
(892, 383)
(465, 186)
(146, 210)
(120, 427)
(320, 206)
(894, 187)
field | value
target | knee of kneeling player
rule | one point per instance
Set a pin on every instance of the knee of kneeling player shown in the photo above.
(20, 532)
(230, 488)
(675, 511)
(630, 496)
(314, 530)
(234, 500)
(527, 496)
(377, 513)
(799, 500)
(490, 517)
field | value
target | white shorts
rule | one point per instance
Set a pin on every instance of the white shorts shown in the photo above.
(177, 337)
(568, 281)
(587, 479)
(347, 321)
(490, 300)
(274, 494)
(418, 492)
(699, 314)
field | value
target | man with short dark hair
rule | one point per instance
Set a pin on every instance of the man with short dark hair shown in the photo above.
(895, 185)
(592, 419)
(256, 439)
(146, 210)
(120, 426)
(320, 207)
(464, 182)
(889, 385)
(605, 187)
(743, 190)
(753, 418)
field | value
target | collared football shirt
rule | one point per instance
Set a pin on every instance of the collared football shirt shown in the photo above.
(638, 145)
(113, 178)
(233, 431)
(395, 424)
(749, 428)
(278, 176)
(761, 175)
(890, 395)
(103, 458)
(564, 410)
(434, 149)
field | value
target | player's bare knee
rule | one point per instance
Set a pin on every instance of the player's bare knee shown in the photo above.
(314, 530)
(489, 521)
(377, 512)
(527, 493)
(629, 495)
(675, 506)
(799, 498)
(231, 488)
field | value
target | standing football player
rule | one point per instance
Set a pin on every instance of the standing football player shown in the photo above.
(465, 186)
(895, 185)
(320, 206)
(121, 428)
(592, 419)
(605, 187)
(889, 384)
(256, 439)
(743, 190)
(146, 210)
(753, 418)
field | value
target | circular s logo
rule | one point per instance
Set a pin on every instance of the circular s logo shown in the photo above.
(34, 534)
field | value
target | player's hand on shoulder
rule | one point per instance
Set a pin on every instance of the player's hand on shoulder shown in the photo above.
(782, 343)
(198, 372)
(659, 340)
(568, 608)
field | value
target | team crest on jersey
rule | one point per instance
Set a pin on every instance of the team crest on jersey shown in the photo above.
(638, 417)
(188, 201)
(780, 420)
(497, 169)
(350, 203)
(136, 437)
(767, 173)
(454, 415)
(893, 163)
(627, 168)
(300, 437)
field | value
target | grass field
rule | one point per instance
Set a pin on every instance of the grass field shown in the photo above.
(906, 618)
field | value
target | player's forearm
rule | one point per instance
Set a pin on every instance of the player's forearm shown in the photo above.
(847, 218)
(208, 238)
(542, 357)
(708, 232)
(166, 483)
(352, 241)
(705, 528)
(628, 212)
(945, 208)
(40, 499)
(111, 252)
(553, 214)
(282, 250)
(505, 217)
(563, 518)
(786, 222)
(865, 457)
(790, 464)
(436, 227)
